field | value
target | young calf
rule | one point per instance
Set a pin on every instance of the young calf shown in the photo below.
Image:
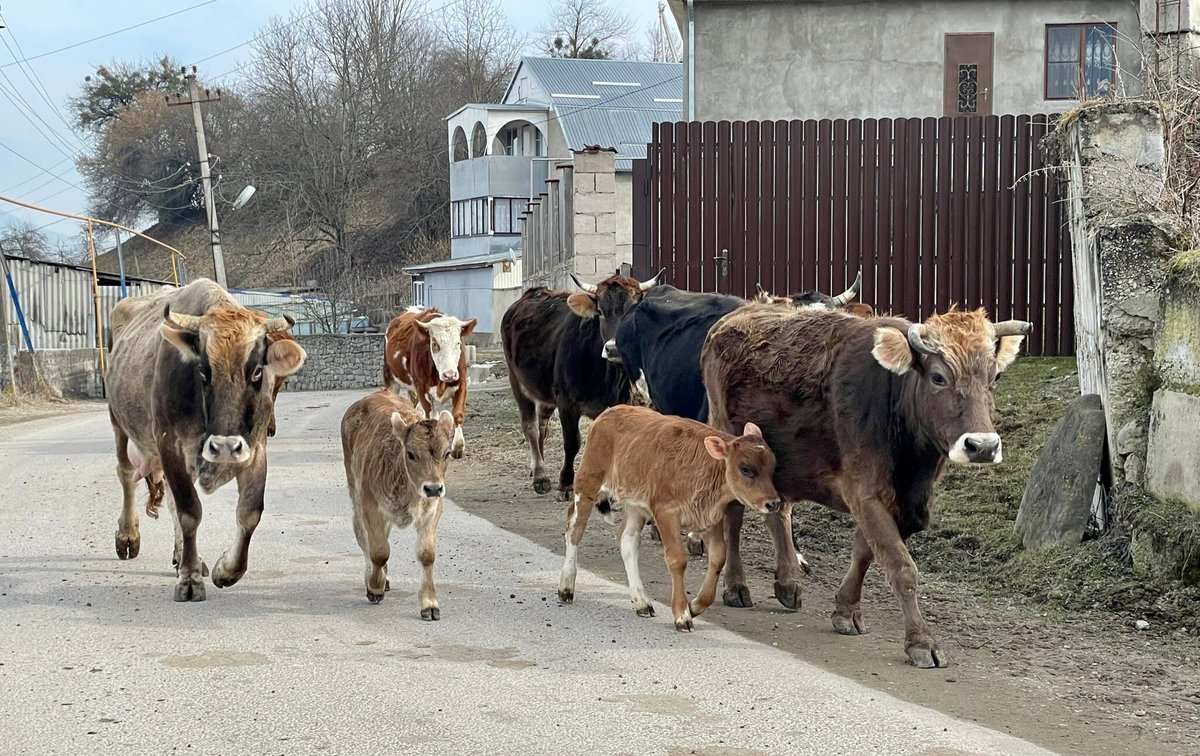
(396, 473)
(679, 472)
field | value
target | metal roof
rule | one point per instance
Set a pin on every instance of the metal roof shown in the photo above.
(463, 263)
(611, 103)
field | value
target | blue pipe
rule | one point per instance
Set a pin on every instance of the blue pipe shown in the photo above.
(12, 289)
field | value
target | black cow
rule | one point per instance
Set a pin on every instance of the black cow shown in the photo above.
(553, 344)
(661, 338)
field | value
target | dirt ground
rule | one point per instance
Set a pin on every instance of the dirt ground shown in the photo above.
(1082, 682)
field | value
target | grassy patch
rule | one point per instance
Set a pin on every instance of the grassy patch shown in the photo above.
(972, 539)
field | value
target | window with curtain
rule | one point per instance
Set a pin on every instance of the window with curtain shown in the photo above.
(1080, 60)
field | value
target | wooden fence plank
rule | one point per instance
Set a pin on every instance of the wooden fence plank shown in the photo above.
(971, 236)
(927, 260)
(1004, 235)
(988, 208)
(883, 218)
(723, 202)
(776, 268)
(898, 262)
(795, 239)
(1037, 237)
(958, 210)
(837, 272)
(1020, 266)
(945, 220)
(734, 281)
(753, 208)
(820, 272)
(868, 188)
(708, 202)
(910, 282)
(666, 203)
(808, 248)
(854, 170)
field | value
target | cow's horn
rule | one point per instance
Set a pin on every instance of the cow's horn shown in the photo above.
(1013, 328)
(917, 342)
(589, 288)
(180, 321)
(653, 281)
(851, 293)
(761, 290)
(280, 323)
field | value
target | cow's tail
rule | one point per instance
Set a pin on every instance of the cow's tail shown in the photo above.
(604, 505)
(388, 378)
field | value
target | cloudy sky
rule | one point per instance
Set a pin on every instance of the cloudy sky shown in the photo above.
(63, 40)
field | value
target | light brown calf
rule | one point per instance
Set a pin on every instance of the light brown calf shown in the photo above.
(679, 472)
(396, 473)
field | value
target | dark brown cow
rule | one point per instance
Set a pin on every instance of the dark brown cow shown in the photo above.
(424, 356)
(862, 415)
(679, 472)
(554, 344)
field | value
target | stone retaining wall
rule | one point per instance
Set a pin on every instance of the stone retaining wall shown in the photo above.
(339, 362)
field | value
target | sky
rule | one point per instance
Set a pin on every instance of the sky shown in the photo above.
(199, 32)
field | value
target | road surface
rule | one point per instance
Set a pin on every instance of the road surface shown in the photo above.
(95, 657)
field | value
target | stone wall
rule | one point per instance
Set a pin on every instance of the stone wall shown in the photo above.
(1173, 452)
(71, 373)
(339, 362)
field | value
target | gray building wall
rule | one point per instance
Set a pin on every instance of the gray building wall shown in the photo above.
(880, 58)
(463, 294)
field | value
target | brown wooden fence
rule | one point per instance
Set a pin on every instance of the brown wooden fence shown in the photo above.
(933, 211)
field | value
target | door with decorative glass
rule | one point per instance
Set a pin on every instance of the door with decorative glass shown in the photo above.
(968, 85)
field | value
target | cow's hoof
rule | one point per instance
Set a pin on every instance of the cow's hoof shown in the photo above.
(849, 622)
(788, 594)
(542, 485)
(203, 568)
(566, 596)
(223, 577)
(654, 534)
(128, 546)
(926, 658)
(387, 585)
(695, 547)
(458, 453)
(189, 590)
(683, 623)
(644, 611)
(374, 598)
(566, 494)
(431, 614)
(737, 596)
(271, 431)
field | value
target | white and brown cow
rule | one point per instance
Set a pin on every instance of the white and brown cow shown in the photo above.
(396, 473)
(424, 356)
(681, 473)
(190, 388)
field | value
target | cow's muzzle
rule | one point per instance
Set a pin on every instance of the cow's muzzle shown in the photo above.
(433, 490)
(226, 449)
(609, 352)
(773, 506)
(449, 376)
(977, 448)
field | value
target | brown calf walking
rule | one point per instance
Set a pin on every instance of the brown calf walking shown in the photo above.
(679, 472)
(396, 473)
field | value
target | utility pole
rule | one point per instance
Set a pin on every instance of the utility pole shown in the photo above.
(8, 352)
(195, 98)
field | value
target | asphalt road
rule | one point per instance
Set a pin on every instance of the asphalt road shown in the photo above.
(95, 657)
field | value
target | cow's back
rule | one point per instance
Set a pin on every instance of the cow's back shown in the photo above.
(786, 371)
(130, 381)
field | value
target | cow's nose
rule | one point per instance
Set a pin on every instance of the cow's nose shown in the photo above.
(610, 352)
(774, 506)
(981, 448)
(433, 490)
(450, 375)
(226, 449)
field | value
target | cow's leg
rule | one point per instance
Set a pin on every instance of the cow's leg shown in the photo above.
(459, 409)
(569, 416)
(675, 554)
(129, 537)
(189, 513)
(883, 537)
(737, 593)
(714, 541)
(631, 541)
(371, 529)
(787, 561)
(578, 513)
(426, 551)
(847, 618)
(252, 484)
(530, 421)
(544, 413)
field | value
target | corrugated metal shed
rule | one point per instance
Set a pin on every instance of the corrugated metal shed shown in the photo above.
(611, 103)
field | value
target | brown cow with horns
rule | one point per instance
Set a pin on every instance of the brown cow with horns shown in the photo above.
(862, 415)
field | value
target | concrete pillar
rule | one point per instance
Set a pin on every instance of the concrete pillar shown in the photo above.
(594, 212)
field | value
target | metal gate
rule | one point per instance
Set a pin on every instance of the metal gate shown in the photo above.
(934, 211)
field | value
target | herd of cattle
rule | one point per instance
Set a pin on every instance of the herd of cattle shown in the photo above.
(759, 403)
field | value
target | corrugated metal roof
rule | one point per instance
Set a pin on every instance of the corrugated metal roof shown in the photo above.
(461, 263)
(611, 103)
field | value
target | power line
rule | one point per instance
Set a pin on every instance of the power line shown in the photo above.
(107, 34)
(34, 80)
(31, 178)
(40, 168)
(19, 103)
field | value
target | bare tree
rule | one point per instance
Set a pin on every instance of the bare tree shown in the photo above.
(21, 237)
(585, 29)
(481, 49)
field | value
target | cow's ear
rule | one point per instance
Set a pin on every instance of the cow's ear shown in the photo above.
(445, 423)
(582, 304)
(892, 350)
(716, 447)
(1007, 351)
(285, 357)
(752, 430)
(469, 326)
(186, 342)
(399, 426)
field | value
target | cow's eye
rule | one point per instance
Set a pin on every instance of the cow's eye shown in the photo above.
(435, 347)
(411, 455)
(256, 376)
(446, 455)
(746, 470)
(937, 379)
(204, 376)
